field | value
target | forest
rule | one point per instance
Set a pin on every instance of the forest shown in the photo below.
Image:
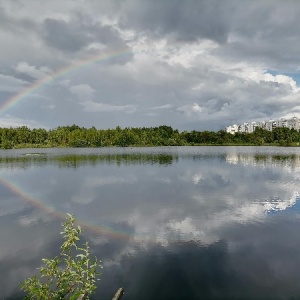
(75, 136)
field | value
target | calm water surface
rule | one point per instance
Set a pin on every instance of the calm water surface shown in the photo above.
(167, 223)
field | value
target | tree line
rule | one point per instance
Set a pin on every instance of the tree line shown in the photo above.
(75, 136)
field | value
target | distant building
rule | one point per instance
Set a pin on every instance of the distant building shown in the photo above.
(282, 123)
(232, 129)
(269, 125)
(242, 127)
(259, 125)
(293, 123)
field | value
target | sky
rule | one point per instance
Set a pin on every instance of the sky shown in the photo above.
(189, 64)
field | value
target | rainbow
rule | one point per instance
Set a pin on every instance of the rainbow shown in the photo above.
(99, 230)
(35, 86)
(61, 216)
(38, 84)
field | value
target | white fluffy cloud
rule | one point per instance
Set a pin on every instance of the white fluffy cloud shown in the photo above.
(11, 121)
(91, 106)
(86, 93)
(234, 62)
(83, 91)
(32, 71)
(11, 84)
(190, 109)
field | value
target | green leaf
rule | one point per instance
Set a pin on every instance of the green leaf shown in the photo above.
(65, 276)
(75, 296)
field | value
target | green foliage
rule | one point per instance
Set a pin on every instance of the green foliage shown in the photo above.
(75, 136)
(69, 275)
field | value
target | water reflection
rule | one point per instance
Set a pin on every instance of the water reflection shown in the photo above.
(179, 223)
(291, 161)
(76, 161)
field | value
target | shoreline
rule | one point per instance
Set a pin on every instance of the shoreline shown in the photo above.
(34, 146)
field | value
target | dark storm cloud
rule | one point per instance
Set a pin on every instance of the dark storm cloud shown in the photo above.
(76, 34)
(184, 20)
(15, 25)
(58, 34)
(209, 63)
(265, 31)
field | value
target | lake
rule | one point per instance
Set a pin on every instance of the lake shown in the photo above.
(167, 223)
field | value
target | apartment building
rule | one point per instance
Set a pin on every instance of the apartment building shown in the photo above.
(232, 129)
(293, 123)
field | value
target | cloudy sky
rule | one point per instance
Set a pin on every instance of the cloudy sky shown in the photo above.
(189, 64)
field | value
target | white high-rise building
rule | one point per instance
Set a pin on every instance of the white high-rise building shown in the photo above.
(293, 123)
(232, 129)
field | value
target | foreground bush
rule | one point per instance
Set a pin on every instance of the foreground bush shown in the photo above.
(70, 275)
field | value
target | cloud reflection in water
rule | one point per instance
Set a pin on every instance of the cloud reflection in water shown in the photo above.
(199, 225)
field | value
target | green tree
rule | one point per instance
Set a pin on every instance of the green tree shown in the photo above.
(71, 274)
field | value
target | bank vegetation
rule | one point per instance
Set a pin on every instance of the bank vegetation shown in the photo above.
(75, 136)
